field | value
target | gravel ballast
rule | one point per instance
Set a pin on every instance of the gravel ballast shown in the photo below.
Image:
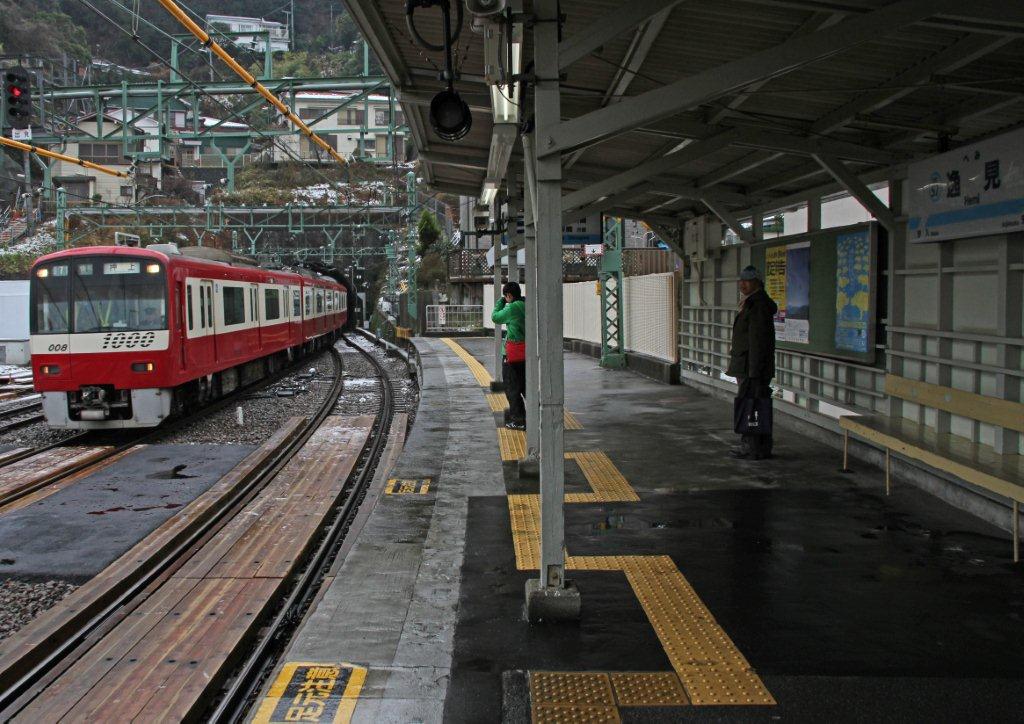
(22, 601)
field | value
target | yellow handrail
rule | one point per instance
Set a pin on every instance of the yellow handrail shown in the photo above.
(248, 77)
(60, 156)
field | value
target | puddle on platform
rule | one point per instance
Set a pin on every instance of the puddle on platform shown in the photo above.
(172, 474)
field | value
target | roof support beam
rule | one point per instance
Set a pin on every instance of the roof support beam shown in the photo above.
(992, 17)
(644, 172)
(955, 56)
(740, 165)
(859, 190)
(716, 82)
(729, 219)
(621, 20)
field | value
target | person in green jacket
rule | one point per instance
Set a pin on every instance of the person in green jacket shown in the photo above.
(511, 311)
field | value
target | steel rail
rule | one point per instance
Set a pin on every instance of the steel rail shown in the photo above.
(18, 694)
(244, 687)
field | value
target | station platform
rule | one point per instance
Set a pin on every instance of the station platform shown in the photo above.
(712, 588)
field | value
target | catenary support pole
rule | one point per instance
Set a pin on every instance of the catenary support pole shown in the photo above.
(529, 465)
(549, 598)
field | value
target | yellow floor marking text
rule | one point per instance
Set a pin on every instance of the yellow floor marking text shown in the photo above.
(312, 692)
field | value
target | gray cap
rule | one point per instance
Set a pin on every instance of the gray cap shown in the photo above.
(749, 274)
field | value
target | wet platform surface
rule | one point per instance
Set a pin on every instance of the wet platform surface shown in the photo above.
(802, 593)
(848, 604)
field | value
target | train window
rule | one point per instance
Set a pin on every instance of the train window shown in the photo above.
(272, 304)
(209, 306)
(188, 296)
(50, 292)
(319, 301)
(330, 302)
(234, 305)
(116, 295)
(296, 304)
(309, 303)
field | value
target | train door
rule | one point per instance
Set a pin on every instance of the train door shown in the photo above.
(183, 300)
(208, 317)
(254, 319)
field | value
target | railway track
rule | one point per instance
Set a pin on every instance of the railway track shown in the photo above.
(20, 415)
(38, 666)
(43, 472)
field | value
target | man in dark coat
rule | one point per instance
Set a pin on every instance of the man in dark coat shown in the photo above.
(752, 357)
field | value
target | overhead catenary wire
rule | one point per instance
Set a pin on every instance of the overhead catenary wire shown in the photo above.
(233, 113)
(61, 157)
(248, 77)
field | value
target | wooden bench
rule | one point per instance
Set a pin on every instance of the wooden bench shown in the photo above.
(974, 463)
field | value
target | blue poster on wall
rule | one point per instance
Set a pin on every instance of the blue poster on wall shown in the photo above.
(853, 291)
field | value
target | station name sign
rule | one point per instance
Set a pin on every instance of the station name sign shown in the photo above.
(976, 190)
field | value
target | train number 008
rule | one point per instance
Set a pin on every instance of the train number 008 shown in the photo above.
(57, 348)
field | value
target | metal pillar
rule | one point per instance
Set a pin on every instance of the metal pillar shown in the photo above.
(532, 347)
(412, 298)
(549, 598)
(30, 215)
(499, 369)
(60, 228)
(613, 343)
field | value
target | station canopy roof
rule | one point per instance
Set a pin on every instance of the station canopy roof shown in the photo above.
(740, 104)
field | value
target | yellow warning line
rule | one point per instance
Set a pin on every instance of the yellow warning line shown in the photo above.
(483, 377)
(497, 401)
(705, 660)
(512, 444)
(605, 480)
(306, 691)
(571, 423)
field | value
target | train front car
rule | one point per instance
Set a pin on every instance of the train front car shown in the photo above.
(100, 338)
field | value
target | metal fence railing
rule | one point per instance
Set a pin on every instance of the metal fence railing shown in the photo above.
(454, 317)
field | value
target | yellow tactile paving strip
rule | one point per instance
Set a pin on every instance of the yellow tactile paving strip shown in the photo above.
(607, 483)
(657, 688)
(707, 664)
(512, 444)
(483, 377)
(497, 401)
(571, 422)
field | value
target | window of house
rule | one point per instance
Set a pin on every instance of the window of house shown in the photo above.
(380, 117)
(234, 305)
(104, 153)
(351, 117)
(271, 304)
(369, 145)
(126, 192)
(311, 112)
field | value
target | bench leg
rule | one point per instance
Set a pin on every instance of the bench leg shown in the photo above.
(846, 451)
(1016, 532)
(888, 472)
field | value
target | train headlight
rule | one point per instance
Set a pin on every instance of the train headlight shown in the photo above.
(42, 273)
(152, 268)
(142, 366)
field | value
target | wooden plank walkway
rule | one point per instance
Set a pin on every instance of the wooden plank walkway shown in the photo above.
(33, 470)
(162, 661)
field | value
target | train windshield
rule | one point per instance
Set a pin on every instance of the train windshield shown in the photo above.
(107, 294)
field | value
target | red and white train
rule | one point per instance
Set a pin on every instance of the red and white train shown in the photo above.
(126, 337)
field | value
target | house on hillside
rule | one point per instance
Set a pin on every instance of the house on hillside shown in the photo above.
(355, 126)
(120, 144)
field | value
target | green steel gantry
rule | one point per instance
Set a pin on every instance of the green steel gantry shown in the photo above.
(613, 343)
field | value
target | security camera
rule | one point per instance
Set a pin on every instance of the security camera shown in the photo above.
(485, 7)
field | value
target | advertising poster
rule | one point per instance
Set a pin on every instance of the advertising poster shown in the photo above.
(975, 190)
(788, 282)
(853, 291)
(775, 284)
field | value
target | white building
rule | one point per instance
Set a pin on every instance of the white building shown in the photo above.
(357, 129)
(279, 40)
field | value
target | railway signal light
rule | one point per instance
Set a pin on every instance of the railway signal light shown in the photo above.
(18, 97)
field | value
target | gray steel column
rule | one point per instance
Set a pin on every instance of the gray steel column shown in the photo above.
(498, 345)
(532, 347)
(548, 598)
